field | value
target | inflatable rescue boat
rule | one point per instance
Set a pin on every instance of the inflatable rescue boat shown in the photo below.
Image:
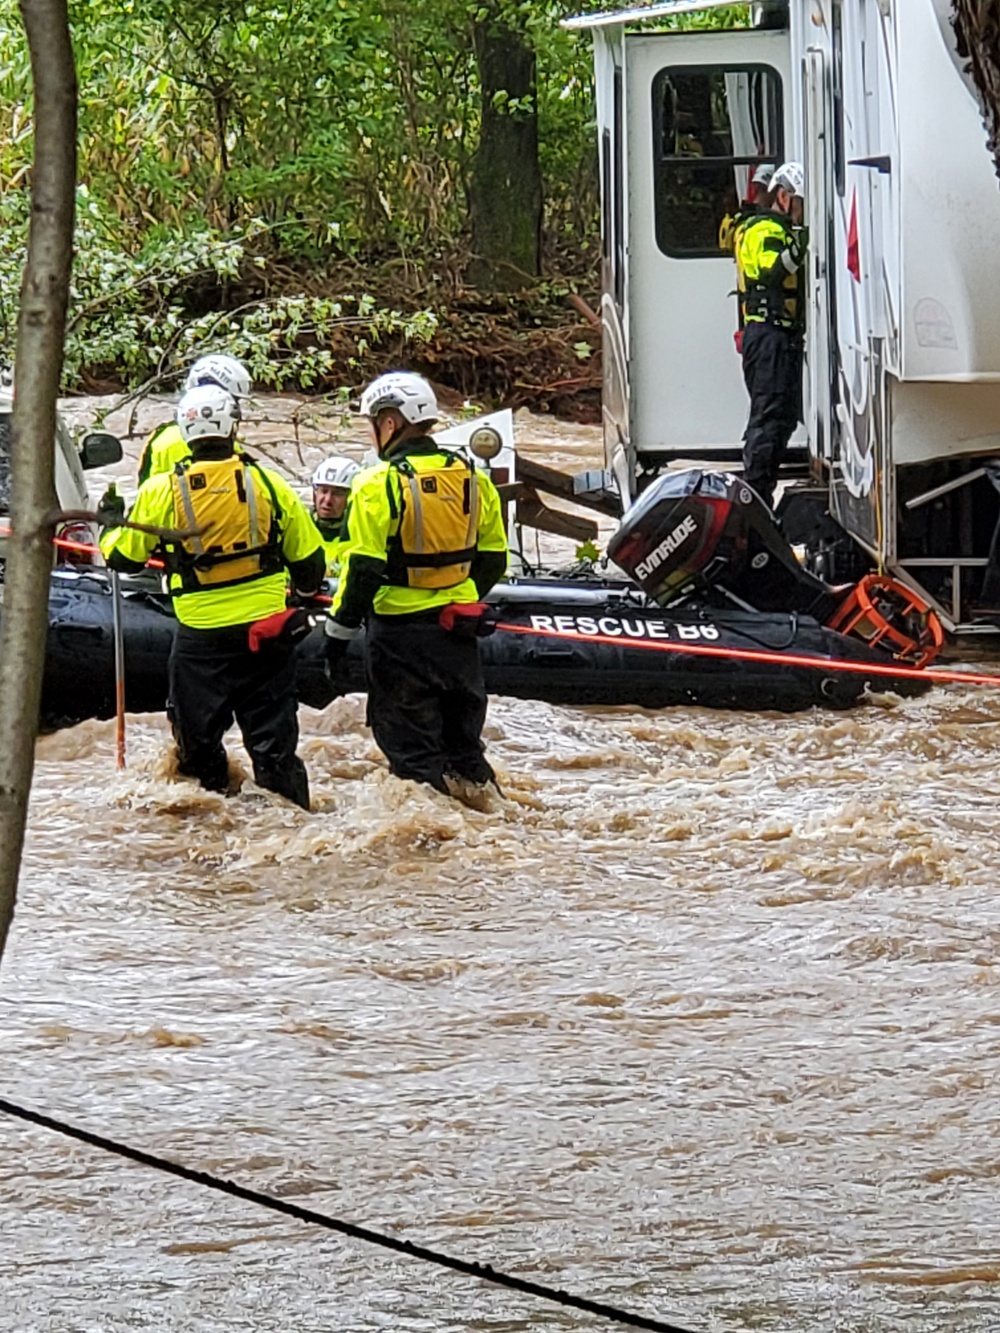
(716, 611)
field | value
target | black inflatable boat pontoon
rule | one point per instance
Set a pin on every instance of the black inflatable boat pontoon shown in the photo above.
(79, 667)
(710, 570)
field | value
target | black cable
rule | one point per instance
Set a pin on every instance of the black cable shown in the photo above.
(484, 1271)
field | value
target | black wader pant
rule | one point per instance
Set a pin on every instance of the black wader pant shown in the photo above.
(214, 677)
(426, 699)
(772, 370)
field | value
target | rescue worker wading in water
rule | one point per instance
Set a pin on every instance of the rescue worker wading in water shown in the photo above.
(331, 485)
(770, 252)
(233, 654)
(425, 543)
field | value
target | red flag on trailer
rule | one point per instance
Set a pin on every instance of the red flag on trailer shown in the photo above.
(853, 252)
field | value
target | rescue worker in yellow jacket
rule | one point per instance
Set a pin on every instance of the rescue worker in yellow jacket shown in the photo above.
(750, 207)
(770, 252)
(233, 653)
(425, 543)
(331, 485)
(166, 446)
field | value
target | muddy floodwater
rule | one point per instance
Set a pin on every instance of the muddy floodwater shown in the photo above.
(703, 1021)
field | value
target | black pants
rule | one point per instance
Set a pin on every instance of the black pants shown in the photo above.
(426, 700)
(214, 677)
(772, 370)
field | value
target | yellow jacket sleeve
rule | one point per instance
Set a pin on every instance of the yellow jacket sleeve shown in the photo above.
(492, 534)
(299, 538)
(764, 250)
(367, 526)
(154, 505)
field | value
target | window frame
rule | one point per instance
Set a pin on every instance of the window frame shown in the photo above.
(662, 162)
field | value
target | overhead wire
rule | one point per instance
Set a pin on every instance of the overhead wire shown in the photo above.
(485, 1272)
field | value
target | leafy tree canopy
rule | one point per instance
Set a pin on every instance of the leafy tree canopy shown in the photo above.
(280, 137)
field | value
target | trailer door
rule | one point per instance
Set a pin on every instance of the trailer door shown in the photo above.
(703, 111)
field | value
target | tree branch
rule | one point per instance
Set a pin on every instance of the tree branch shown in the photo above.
(40, 334)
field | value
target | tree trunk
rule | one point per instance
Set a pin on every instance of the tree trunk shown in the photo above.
(977, 32)
(505, 194)
(40, 329)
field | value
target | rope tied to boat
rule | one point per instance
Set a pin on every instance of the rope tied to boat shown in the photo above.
(766, 656)
(486, 1272)
(833, 665)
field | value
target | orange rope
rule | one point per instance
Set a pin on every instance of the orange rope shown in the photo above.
(767, 657)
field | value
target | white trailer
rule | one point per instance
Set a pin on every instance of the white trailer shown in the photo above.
(902, 376)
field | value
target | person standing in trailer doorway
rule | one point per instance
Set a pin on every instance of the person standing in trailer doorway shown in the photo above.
(770, 253)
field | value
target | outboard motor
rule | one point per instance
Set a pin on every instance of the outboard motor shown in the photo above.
(691, 531)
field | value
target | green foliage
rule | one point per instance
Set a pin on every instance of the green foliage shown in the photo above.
(131, 313)
(217, 136)
(728, 16)
(334, 121)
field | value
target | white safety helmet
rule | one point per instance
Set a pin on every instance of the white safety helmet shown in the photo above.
(336, 471)
(208, 412)
(411, 396)
(225, 371)
(764, 173)
(790, 176)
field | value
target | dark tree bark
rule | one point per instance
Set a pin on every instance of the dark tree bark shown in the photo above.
(977, 33)
(505, 194)
(40, 329)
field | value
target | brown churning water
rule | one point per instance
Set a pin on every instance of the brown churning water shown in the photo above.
(703, 1022)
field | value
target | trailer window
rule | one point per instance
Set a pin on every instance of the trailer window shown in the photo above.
(713, 126)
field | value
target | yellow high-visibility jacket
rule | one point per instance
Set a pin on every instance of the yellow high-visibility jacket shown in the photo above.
(768, 267)
(226, 576)
(417, 527)
(165, 448)
(333, 537)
